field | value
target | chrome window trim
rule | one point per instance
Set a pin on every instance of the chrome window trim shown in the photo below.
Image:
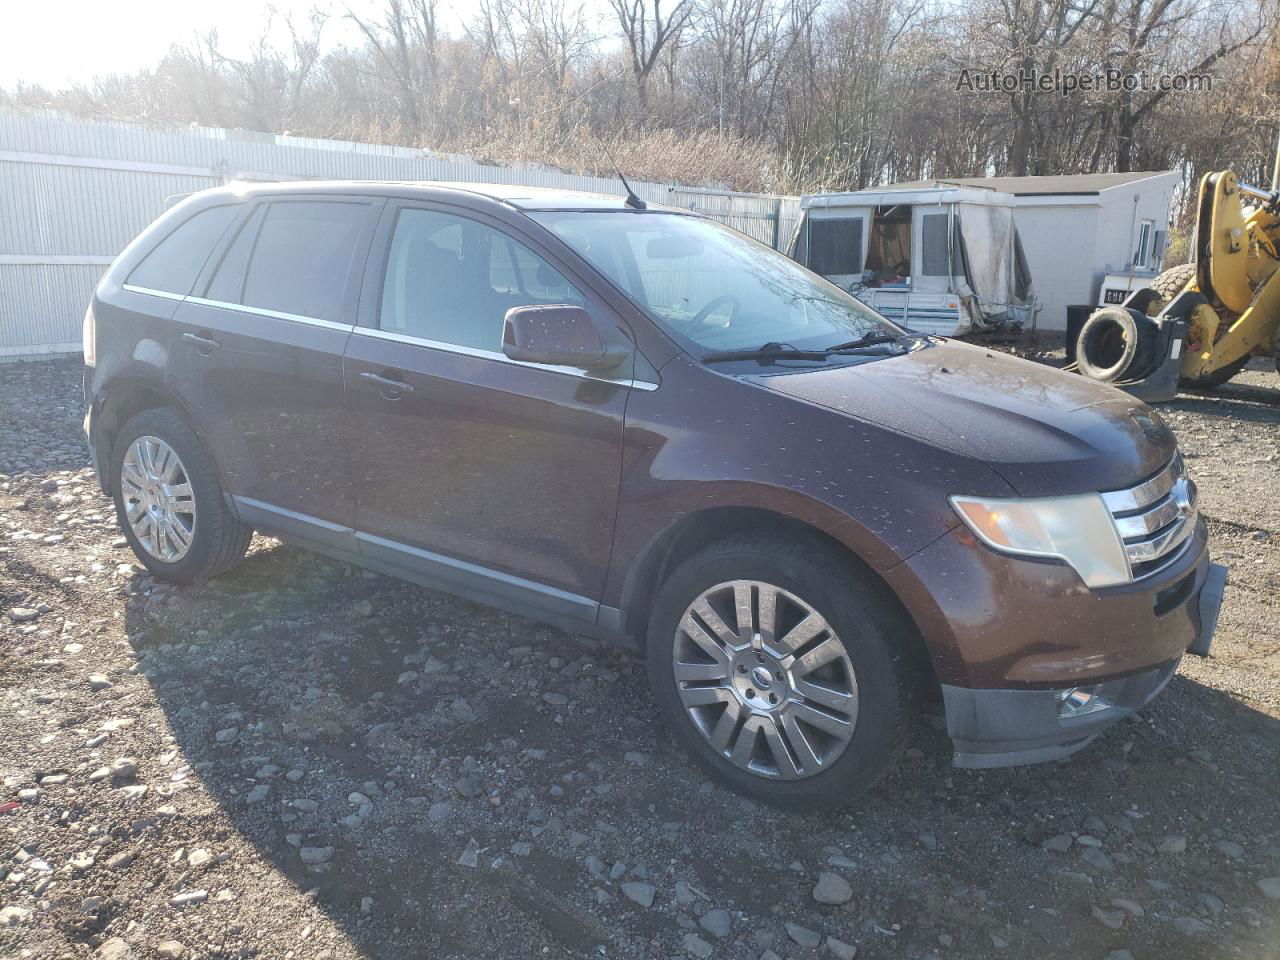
(272, 314)
(148, 291)
(499, 357)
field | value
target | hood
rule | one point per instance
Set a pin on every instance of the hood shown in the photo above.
(1044, 431)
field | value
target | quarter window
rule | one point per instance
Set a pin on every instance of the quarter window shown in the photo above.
(453, 280)
(302, 257)
(176, 262)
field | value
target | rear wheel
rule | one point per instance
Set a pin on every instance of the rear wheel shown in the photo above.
(772, 666)
(169, 500)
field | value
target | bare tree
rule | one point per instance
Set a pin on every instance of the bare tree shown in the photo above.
(647, 33)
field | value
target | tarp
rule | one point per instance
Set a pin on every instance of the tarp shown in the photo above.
(996, 267)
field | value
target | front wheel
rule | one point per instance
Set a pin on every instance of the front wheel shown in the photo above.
(774, 667)
(169, 500)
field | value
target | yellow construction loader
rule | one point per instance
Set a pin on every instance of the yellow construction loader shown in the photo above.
(1198, 323)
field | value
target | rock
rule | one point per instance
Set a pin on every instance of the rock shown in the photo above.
(1131, 907)
(1229, 848)
(803, 935)
(470, 856)
(366, 904)
(12, 916)
(522, 848)
(639, 892)
(1270, 886)
(1209, 904)
(23, 614)
(199, 858)
(1172, 845)
(1119, 955)
(188, 898)
(81, 862)
(314, 855)
(841, 950)
(928, 840)
(1108, 918)
(1059, 844)
(617, 871)
(113, 949)
(1085, 840)
(257, 794)
(362, 608)
(1096, 858)
(124, 768)
(120, 860)
(716, 922)
(171, 950)
(305, 805)
(695, 946)
(469, 787)
(1189, 926)
(438, 812)
(832, 888)
(226, 734)
(555, 699)
(91, 905)
(29, 794)
(99, 681)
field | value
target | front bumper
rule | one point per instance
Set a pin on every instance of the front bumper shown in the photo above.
(1009, 727)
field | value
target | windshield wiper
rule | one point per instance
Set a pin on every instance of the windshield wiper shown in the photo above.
(866, 340)
(781, 351)
(770, 351)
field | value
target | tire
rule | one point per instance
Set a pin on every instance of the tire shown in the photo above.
(869, 631)
(216, 539)
(1216, 378)
(1168, 285)
(1114, 344)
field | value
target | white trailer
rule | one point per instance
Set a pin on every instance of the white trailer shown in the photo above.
(941, 259)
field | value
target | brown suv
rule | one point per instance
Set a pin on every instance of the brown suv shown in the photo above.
(638, 424)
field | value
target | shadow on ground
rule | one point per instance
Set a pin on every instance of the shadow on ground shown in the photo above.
(409, 731)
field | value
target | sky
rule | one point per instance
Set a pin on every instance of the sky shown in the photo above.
(55, 43)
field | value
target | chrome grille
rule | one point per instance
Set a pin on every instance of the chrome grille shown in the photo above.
(1155, 518)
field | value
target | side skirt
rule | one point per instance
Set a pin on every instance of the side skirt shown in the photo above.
(568, 611)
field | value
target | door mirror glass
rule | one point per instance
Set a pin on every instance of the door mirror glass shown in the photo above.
(559, 334)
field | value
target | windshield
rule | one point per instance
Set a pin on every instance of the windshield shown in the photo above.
(713, 287)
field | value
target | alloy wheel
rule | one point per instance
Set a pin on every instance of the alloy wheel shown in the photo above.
(158, 500)
(765, 679)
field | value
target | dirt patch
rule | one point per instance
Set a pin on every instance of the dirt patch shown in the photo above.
(302, 759)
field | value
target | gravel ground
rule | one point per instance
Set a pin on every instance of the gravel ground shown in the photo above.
(304, 760)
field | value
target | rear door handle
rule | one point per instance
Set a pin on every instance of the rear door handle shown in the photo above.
(206, 345)
(387, 383)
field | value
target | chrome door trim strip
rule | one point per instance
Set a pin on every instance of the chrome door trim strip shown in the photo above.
(272, 314)
(499, 357)
(133, 288)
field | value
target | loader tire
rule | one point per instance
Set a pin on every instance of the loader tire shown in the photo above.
(1168, 285)
(1116, 344)
(1216, 378)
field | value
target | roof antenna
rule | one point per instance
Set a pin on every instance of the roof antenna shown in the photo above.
(632, 200)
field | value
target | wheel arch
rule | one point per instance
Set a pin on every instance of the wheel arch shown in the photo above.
(122, 399)
(692, 532)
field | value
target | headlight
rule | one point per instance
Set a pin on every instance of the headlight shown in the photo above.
(89, 336)
(1077, 529)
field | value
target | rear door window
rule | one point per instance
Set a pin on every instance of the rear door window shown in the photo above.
(302, 257)
(174, 264)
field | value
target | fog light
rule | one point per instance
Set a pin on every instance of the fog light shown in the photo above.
(1077, 701)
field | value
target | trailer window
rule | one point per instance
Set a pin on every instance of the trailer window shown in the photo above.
(933, 243)
(832, 246)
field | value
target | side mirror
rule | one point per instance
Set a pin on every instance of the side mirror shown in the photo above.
(559, 334)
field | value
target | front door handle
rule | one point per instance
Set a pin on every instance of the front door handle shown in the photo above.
(206, 345)
(388, 384)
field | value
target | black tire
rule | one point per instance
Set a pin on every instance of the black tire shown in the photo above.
(1168, 285)
(1115, 344)
(218, 540)
(873, 633)
(1216, 378)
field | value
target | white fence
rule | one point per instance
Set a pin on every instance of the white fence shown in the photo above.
(74, 192)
